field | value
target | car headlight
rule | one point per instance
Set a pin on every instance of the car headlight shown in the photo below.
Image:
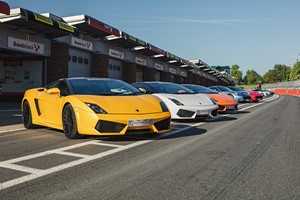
(97, 109)
(163, 107)
(213, 101)
(178, 103)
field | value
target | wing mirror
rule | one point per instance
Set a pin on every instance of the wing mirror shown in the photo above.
(143, 90)
(54, 91)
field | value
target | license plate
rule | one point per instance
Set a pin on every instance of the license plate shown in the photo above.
(143, 122)
(203, 112)
(230, 107)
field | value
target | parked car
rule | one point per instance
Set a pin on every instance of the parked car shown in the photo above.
(182, 102)
(241, 92)
(255, 96)
(224, 101)
(221, 89)
(94, 106)
(264, 93)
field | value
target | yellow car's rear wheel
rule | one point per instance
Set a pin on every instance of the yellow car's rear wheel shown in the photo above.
(70, 123)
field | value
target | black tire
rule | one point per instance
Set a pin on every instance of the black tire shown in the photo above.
(69, 123)
(26, 116)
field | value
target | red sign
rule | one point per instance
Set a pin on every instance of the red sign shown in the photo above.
(103, 27)
(4, 8)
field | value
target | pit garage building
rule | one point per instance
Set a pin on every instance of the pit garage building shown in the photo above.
(36, 49)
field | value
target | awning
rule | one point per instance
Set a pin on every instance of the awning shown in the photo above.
(187, 64)
(4, 8)
(36, 24)
(157, 53)
(174, 60)
(127, 41)
(92, 27)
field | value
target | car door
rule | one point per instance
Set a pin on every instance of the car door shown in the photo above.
(52, 101)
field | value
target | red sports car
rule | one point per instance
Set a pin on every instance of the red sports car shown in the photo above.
(255, 96)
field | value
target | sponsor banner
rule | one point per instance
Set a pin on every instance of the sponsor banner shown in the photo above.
(4, 8)
(103, 27)
(83, 44)
(66, 27)
(184, 74)
(50, 22)
(159, 66)
(141, 61)
(172, 70)
(133, 39)
(24, 45)
(116, 54)
(157, 50)
(43, 19)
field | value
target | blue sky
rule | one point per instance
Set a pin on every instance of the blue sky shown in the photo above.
(254, 34)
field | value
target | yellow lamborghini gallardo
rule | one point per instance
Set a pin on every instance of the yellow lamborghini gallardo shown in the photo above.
(94, 106)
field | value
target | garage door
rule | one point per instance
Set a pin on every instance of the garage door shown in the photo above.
(79, 63)
(115, 69)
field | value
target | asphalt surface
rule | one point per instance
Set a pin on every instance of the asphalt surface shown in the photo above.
(250, 154)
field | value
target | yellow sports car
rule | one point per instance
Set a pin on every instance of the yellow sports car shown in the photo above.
(94, 106)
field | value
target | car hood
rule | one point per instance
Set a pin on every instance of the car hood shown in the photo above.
(223, 98)
(140, 104)
(186, 99)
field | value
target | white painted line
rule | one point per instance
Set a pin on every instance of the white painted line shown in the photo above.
(108, 145)
(40, 173)
(12, 130)
(22, 168)
(70, 154)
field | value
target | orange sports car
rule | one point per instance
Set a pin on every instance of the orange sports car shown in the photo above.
(224, 101)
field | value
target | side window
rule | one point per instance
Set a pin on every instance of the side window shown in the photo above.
(63, 87)
(51, 85)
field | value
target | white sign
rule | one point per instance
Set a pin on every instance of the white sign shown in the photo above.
(82, 43)
(141, 61)
(159, 66)
(184, 74)
(172, 70)
(24, 45)
(116, 54)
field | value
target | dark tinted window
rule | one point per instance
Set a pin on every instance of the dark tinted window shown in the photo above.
(96, 86)
(200, 89)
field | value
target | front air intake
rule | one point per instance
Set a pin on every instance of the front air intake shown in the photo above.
(107, 126)
(163, 124)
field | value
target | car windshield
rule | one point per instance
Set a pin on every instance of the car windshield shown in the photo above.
(200, 89)
(173, 88)
(96, 86)
(224, 89)
(235, 88)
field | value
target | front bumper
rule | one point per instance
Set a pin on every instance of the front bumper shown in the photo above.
(194, 112)
(118, 124)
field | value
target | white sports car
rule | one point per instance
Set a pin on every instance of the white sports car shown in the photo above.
(182, 102)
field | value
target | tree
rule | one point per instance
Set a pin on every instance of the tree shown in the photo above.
(295, 71)
(282, 72)
(278, 73)
(270, 76)
(252, 77)
(235, 72)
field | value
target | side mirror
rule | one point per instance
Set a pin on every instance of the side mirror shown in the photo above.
(143, 90)
(54, 91)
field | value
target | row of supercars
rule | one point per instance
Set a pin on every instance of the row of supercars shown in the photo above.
(103, 106)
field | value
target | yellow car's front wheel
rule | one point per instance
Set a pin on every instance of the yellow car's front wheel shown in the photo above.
(70, 123)
(26, 115)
